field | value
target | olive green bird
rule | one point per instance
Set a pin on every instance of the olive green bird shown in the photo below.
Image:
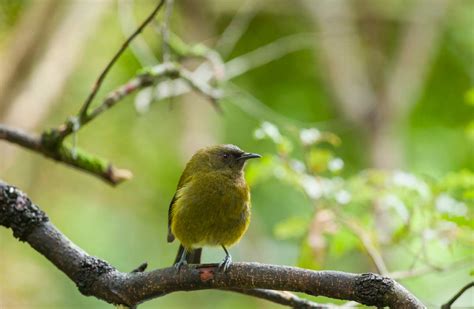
(211, 206)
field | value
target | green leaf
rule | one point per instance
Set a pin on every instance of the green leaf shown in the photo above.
(460, 221)
(342, 242)
(308, 259)
(469, 97)
(318, 160)
(293, 227)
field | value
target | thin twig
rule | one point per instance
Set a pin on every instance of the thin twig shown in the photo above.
(202, 87)
(165, 31)
(458, 294)
(417, 272)
(235, 67)
(141, 81)
(141, 268)
(98, 83)
(237, 27)
(260, 111)
(283, 298)
(139, 47)
(268, 53)
(19, 137)
(52, 146)
(369, 247)
(184, 50)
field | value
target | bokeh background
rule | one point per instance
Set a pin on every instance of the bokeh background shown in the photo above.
(362, 109)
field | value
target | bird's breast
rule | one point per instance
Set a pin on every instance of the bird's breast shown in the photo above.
(212, 209)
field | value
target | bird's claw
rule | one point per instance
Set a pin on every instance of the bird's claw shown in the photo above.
(180, 264)
(225, 264)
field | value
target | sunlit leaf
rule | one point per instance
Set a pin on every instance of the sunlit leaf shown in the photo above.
(318, 160)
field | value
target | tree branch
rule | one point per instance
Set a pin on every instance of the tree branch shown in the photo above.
(103, 74)
(19, 137)
(411, 273)
(283, 298)
(77, 158)
(369, 246)
(51, 144)
(95, 277)
(458, 294)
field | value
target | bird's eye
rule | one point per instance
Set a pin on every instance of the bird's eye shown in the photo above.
(225, 155)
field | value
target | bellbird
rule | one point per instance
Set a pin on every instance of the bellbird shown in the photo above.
(211, 206)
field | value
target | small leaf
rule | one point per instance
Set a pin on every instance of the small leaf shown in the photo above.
(342, 243)
(469, 97)
(319, 159)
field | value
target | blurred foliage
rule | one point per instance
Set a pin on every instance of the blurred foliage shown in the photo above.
(9, 12)
(314, 193)
(440, 210)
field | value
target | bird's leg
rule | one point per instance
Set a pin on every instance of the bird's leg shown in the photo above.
(225, 264)
(182, 261)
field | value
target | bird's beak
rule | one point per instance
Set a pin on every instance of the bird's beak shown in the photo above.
(248, 155)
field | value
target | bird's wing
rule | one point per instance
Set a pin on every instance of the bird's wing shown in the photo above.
(170, 218)
(185, 177)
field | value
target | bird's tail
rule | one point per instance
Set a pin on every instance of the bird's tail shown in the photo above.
(193, 256)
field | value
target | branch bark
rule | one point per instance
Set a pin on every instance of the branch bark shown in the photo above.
(95, 277)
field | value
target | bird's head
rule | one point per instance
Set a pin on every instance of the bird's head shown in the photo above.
(223, 157)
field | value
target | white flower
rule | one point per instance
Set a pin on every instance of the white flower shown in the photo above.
(429, 234)
(343, 197)
(335, 165)
(271, 131)
(309, 136)
(446, 204)
(143, 100)
(279, 172)
(410, 181)
(259, 134)
(297, 166)
(393, 201)
(311, 186)
(327, 185)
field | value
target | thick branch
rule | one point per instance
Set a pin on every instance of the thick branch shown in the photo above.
(97, 278)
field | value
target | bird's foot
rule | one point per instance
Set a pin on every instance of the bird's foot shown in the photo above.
(180, 264)
(225, 264)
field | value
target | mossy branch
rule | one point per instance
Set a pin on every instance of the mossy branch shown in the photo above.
(75, 157)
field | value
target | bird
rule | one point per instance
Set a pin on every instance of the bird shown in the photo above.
(211, 206)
